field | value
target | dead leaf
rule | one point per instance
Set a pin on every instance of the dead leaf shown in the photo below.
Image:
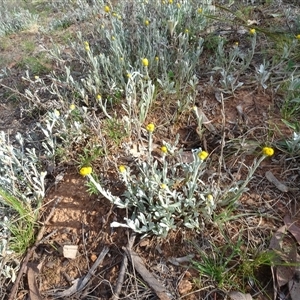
(294, 286)
(179, 260)
(280, 186)
(277, 237)
(144, 243)
(205, 121)
(32, 273)
(93, 257)
(184, 287)
(283, 275)
(292, 228)
(239, 296)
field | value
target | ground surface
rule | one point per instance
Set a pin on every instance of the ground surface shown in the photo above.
(84, 220)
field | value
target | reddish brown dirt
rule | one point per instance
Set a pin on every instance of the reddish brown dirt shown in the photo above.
(82, 220)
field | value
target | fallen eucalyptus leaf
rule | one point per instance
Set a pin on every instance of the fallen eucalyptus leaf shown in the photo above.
(239, 296)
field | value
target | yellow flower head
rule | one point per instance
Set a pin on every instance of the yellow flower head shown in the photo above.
(56, 113)
(210, 197)
(122, 169)
(72, 106)
(178, 5)
(106, 8)
(236, 44)
(147, 22)
(150, 127)
(298, 36)
(114, 14)
(145, 62)
(163, 186)
(113, 38)
(170, 1)
(36, 77)
(164, 149)
(84, 171)
(156, 58)
(86, 46)
(99, 97)
(128, 75)
(268, 151)
(252, 31)
(199, 10)
(202, 155)
(186, 31)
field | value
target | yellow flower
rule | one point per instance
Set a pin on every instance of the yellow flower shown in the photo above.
(210, 197)
(150, 127)
(86, 46)
(122, 169)
(99, 97)
(268, 151)
(121, 58)
(106, 8)
(84, 171)
(163, 186)
(236, 44)
(178, 5)
(56, 113)
(128, 75)
(252, 31)
(36, 77)
(72, 106)
(147, 22)
(186, 31)
(171, 1)
(145, 62)
(202, 155)
(114, 14)
(298, 36)
(199, 10)
(113, 38)
(156, 58)
(164, 149)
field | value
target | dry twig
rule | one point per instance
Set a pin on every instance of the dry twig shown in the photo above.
(123, 269)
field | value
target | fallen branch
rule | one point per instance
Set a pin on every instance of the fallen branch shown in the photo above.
(121, 277)
(139, 265)
(32, 271)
